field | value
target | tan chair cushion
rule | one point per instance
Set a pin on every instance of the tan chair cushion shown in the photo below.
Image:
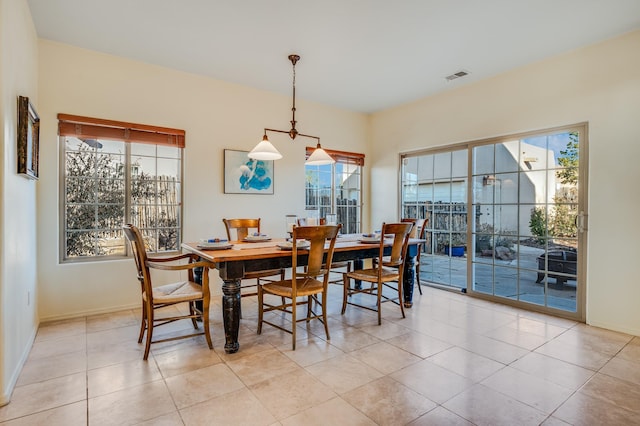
(306, 287)
(176, 292)
(371, 275)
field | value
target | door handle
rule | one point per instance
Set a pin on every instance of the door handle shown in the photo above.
(580, 222)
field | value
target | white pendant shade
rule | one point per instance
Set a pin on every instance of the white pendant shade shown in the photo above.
(319, 157)
(265, 151)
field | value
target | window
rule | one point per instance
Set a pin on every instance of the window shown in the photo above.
(117, 173)
(337, 188)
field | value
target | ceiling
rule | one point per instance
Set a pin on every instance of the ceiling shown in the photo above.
(360, 55)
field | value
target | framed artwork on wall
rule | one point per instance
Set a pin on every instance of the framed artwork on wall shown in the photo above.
(28, 139)
(243, 175)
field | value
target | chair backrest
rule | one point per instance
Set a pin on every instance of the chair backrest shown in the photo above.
(401, 233)
(316, 264)
(418, 226)
(134, 236)
(242, 227)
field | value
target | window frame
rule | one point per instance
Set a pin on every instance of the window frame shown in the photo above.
(347, 158)
(128, 134)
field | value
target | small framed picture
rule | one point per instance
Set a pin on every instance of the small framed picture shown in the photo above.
(243, 175)
(28, 138)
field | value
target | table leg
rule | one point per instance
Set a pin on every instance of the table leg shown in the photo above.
(231, 314)
(408, 280)
(358, 264)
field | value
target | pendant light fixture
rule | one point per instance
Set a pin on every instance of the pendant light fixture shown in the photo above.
(265, 149)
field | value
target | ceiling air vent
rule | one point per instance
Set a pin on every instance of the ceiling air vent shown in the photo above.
(456, 75)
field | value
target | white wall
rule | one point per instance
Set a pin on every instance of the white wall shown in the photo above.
(599, 84)
(18, 77)
(215, 114)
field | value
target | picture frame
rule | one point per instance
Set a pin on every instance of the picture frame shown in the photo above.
(243, 175)
(28, 140)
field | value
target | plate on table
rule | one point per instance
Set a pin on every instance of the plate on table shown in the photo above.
(288, 245)
(370, 239)
(257, 238)
(220, 245)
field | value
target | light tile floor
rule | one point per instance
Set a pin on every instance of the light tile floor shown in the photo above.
(454, 360)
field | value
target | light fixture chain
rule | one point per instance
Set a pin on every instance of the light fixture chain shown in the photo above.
(293, 132)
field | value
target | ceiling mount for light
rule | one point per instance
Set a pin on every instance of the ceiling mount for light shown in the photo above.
(265, 149)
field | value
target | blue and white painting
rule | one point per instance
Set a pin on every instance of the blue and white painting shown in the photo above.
(243, 175)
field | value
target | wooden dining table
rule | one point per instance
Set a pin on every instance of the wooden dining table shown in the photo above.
(233, 263)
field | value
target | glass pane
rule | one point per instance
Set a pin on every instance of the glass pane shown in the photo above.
(425, 168)
(168, 151)
(506, 219)
(536, 217)
(442, 166)
(483, 278)
(506, 188)
(168, 239)
(81, 243)
(80, 163)
(144, 149)
(143, 167)
(80, 190)
(483, 188)
(171, 168)
(110, 216)
(111, 147)
(111, 191)
(483, 160)
(459, 163)
(80, 216)
(410, 169)
(143, 191)
(506, 280)
(533, 187)
(508, 156)
(530, 291)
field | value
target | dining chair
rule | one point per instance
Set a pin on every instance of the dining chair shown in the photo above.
(242, 227)
(387, 273)
(337, 268)
(154, 298)
(418, 231)
(310, 285)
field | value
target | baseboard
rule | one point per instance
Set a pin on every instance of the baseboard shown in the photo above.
(89, 312)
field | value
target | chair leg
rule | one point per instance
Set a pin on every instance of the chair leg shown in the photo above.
(345, 291)
(147, 346)
(293, 323)
(143, 323)
(418, 277)
(192, 312)
(309, 304)
(260, 310)
(400, 301)
(380, 287)
(324, 314)
(205, 321)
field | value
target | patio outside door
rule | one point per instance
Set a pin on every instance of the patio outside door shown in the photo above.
(506, 218)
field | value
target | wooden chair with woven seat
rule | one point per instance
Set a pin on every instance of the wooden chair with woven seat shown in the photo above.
(337, 268)
(307, 284)
(242, 228)
(184, 291)
(418, 231)
(383, 274)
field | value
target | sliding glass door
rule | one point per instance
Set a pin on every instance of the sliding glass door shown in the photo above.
(506, 217)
